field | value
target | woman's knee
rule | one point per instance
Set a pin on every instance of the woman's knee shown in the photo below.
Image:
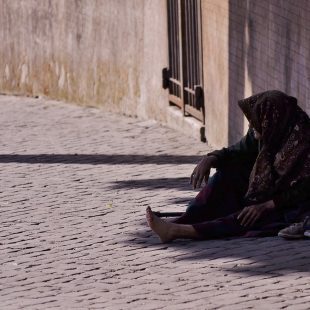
(193, 208)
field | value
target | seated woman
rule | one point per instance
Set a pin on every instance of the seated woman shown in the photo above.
(262, 183)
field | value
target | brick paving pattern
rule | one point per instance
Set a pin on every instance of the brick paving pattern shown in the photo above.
(75, 183)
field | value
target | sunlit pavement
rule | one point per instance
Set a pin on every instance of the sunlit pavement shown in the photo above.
(75, 183)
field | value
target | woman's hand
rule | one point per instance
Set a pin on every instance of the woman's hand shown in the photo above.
(202, 171)
(249, 215)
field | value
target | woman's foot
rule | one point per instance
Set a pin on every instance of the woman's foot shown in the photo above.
(162, 228)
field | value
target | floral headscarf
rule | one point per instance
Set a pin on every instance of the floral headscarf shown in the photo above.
(284, 158)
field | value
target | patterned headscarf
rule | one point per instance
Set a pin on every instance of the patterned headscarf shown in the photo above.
(284, 157)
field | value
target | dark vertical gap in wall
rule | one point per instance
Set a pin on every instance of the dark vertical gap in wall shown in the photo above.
(236, 63)
(288, 64)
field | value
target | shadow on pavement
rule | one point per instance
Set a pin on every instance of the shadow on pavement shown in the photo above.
(99, 159)
(255, 256)
(181, 184)
(182, 201)
(248, 256)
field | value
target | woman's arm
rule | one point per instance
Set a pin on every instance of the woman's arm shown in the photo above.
(249, 215)
(244, 150)
(202, 170)
(297, 194)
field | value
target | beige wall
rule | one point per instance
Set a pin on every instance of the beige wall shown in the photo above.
(251, 46)
(106, 53)
(155, 57)
(215, 69)
(110, 53)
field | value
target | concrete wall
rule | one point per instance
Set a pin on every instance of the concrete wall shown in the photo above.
(107, 53)
(250, 46)
(110, 53)
(276, 48)
(215, 23)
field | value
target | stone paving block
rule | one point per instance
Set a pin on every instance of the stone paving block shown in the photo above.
(75, 183)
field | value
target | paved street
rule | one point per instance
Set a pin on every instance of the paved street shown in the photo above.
(75, 183)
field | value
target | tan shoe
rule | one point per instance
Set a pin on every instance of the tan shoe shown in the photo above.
(296, 230)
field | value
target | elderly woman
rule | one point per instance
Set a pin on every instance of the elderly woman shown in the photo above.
(262, 183)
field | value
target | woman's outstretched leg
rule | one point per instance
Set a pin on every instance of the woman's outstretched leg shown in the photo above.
(228, 226)
(168, 231)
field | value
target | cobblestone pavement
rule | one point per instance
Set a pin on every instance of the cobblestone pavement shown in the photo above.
(75, 183)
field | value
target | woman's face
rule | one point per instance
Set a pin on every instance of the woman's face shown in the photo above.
(257, 135)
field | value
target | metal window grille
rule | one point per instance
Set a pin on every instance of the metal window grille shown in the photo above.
(184, 76)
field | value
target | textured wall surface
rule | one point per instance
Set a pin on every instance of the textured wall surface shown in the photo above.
(215, 69)
(269, 42)
(108, 53)
(252, 46)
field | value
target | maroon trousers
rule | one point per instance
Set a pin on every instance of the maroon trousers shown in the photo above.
(213, 213)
